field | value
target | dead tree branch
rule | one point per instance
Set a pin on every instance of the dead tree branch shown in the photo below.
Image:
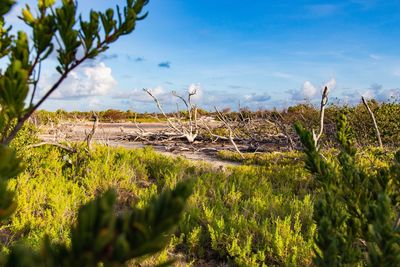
(378, 134)
(231, 134)
(160, 108)
(89, 136)
(189, 132)
(324, 101)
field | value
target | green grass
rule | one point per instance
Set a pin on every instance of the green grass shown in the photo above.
(251, 215)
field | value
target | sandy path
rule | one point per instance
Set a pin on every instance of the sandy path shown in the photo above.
(112, 133)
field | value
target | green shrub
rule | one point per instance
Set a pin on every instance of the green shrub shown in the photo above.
(356, 209)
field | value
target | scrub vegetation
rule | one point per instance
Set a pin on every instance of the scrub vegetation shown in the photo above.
(325, 198)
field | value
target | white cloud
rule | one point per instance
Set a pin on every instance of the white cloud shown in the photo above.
(93, 80)
(203, 98)
(308, 91)
(164, 96)
(158, 91)
(331, 84)
(199, 91)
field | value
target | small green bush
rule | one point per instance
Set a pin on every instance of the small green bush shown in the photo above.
(357, 206)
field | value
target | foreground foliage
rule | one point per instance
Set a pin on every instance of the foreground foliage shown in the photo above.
(99, 235)
(245, 216)
(357, 208)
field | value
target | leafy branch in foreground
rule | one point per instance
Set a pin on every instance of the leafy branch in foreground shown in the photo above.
(356, 209)
(102, 236)
(53, 26)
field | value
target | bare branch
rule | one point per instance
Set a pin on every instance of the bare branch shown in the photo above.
(89, 137)
(378, 134)
(159, 106)
(231, 135)
(67, 148)
(174, 93)
(137, 125)
(191, 133)
(212, 134)
(324, 101)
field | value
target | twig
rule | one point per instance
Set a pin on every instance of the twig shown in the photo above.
(212, 134)
(378, 134)
(159, 106)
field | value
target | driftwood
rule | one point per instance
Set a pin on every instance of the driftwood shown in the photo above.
(243, 134)
(187, 130)
(378, 134)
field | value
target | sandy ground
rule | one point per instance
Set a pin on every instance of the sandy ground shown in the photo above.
(112, 134)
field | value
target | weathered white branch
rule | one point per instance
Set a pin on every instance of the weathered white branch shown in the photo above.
(378, 134)
(159, 106)
(324, 102)
(231, 135)
(189, 133)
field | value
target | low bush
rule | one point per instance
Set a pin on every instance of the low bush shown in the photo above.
(357, 204)
(247, 215)
(260, 213)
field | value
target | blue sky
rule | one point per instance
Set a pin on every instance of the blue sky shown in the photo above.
(264, 54)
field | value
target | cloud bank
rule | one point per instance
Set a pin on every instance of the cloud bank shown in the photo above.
(87, 81)
(203, 98)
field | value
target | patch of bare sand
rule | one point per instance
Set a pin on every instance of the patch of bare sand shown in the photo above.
(113, 134)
